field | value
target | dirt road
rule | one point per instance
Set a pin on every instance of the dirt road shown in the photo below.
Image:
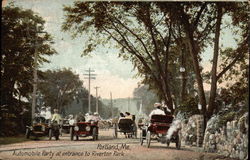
(105, 148)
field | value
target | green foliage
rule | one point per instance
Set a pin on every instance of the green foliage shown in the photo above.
(60, 87)
(234, 103)
(154, 36)
(18, 51)
(228, 116)
(142, 32)
(19, 30)
(234, 94)
(189, 107)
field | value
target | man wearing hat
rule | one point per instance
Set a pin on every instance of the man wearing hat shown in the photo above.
(56, 116)
(96, 117)
(157, 110)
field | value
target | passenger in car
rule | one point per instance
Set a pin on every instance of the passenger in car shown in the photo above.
(157, 110)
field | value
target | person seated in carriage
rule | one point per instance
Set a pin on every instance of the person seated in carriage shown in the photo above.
(157, 110)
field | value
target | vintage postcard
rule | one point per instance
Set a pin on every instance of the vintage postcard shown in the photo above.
(144, 80)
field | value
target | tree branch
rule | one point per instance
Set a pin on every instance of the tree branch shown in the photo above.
(137, 37)
(229, 65)
(196, 21)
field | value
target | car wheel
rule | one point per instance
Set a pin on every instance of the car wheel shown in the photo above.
(94, 134)
(71, 133)
(27, 133)
(148, 138)
(50, 134)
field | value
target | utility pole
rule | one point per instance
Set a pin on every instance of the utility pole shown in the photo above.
(90, 76)
(34, 71)
(96, 105)
(34, 83)
(111, 105)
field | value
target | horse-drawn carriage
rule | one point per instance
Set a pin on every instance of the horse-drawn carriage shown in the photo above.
(126, 126)
(157, 129)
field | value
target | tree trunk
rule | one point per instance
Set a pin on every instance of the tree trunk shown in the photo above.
(194, 55)
(184, 78)
(213, 89)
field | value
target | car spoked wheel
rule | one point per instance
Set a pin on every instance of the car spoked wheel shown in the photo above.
(148, 138)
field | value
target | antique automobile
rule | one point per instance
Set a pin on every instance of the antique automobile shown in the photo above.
(84, 129)
(157, 130)
(126, 126)
(40, 128)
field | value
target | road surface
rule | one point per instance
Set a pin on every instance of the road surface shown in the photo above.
(106, 147)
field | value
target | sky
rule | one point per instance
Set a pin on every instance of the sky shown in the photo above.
(112, 73)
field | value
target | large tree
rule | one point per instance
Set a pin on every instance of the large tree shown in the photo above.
(195, 29)
(60, 88)
(141, 31)
(19, 30)
(18, 34)
(153, 35)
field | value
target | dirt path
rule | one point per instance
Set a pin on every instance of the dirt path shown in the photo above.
(105, 148)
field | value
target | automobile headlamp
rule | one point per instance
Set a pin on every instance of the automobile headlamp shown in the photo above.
(88, 128)
(71, 122)
(76, 128)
